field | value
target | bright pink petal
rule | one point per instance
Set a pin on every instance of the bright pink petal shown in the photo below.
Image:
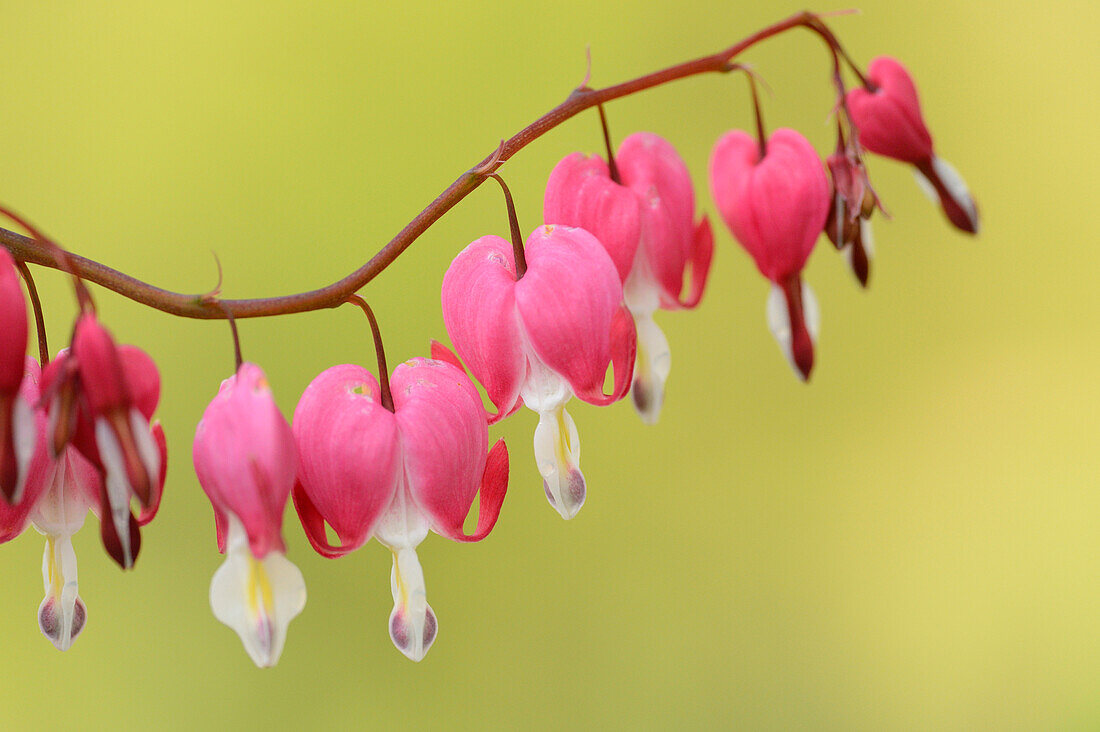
(13, 326)
(889, 119)
(444, 438)
(776, 206)
(441, 353)
(142, 378)
(567, 301)
(245, 458)
(348, 457)
(653, 169)
(14, 518)
(702, 253)
(580, 193)
(624, 347)
(479, 311)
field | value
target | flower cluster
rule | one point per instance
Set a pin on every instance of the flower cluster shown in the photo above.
(397, 456)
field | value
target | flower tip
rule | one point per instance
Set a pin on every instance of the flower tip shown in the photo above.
(61, 621)
(571, 496)
(411, 640)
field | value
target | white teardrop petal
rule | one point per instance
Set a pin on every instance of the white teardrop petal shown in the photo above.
(866, 235)
(558, 457)
(118, 486)
(257, 597)
(926, 186)
(146, 446)
(413, 625)
(62, 614)
(651, 368)
(779, 320)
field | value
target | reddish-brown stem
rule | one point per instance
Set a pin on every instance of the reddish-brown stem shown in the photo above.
(612, 169)
(380, 353)
(513, 227)
(59, 258)
(335, 294)
(36, 305)
(236, 339)
(761, 137)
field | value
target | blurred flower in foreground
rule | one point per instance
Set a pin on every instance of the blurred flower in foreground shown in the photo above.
(396, 474)
(889, 120)
(16, 421)
(246, 462)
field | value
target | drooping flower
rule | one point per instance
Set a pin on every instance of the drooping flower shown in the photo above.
(776, 205)
(16, 419)
(56, 500)
(101, 398)
(396, 475)
(645, 221)
(888, 117)
(542, 338)
(246, 462)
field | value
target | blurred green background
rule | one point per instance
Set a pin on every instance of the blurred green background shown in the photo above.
(909, 542)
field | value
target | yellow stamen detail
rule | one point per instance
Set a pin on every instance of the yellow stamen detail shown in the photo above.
(563, 446)
(260, 597)
(56, 582)
(400, 580)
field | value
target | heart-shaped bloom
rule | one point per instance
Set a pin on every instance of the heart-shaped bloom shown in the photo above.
(542, 338)
(890, 123)
(56, 499)
(101, 398)
(646, 223)
(776, 206)
(16, 419)
(246, 462)
(396, 475)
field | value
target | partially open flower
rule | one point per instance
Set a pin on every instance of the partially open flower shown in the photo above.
(396, 475)
(888, 117)
(246, 462)
(542, 338)
(848, 225)
(101, 398)
(646, 223)
(776, 205)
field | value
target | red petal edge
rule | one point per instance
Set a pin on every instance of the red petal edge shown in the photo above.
(314, 525)
(702, 252)
(149, 512)
(624, 345)
(494, 485)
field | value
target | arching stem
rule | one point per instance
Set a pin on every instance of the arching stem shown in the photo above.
(613, 170)
(36, 305)
(513, 226)
(379, 351)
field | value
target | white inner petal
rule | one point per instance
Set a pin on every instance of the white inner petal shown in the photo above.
(61, 511)
(558, 457)
(413, 625)
(118, 486)
(866, 235)
(956, 186)
(256, 597)
(62, 614)
(146, 446)
(651, 368)
(779, 320)
(23, 436)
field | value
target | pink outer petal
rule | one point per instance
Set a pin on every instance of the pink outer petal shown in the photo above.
(245, 459)
(148, 513)
(624, 347)
(348, 465)
(443, 440)
(478, 299)
(652, 168)
(102, 379)
(702, 253)
(13, 325)
(889, 119)
(580, 193)
(142, 378)
(441, 353)
(567, 301)
(775, 207)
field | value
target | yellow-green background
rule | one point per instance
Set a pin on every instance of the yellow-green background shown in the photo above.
(909, 542)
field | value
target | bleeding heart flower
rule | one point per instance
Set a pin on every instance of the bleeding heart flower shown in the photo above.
(645, 221)
(542, 338)
(16, 418)
(775, 206)
(888, 117)
(848, 225)
(100, 398)
(57, 497)
(246, 462)
(368, 471)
